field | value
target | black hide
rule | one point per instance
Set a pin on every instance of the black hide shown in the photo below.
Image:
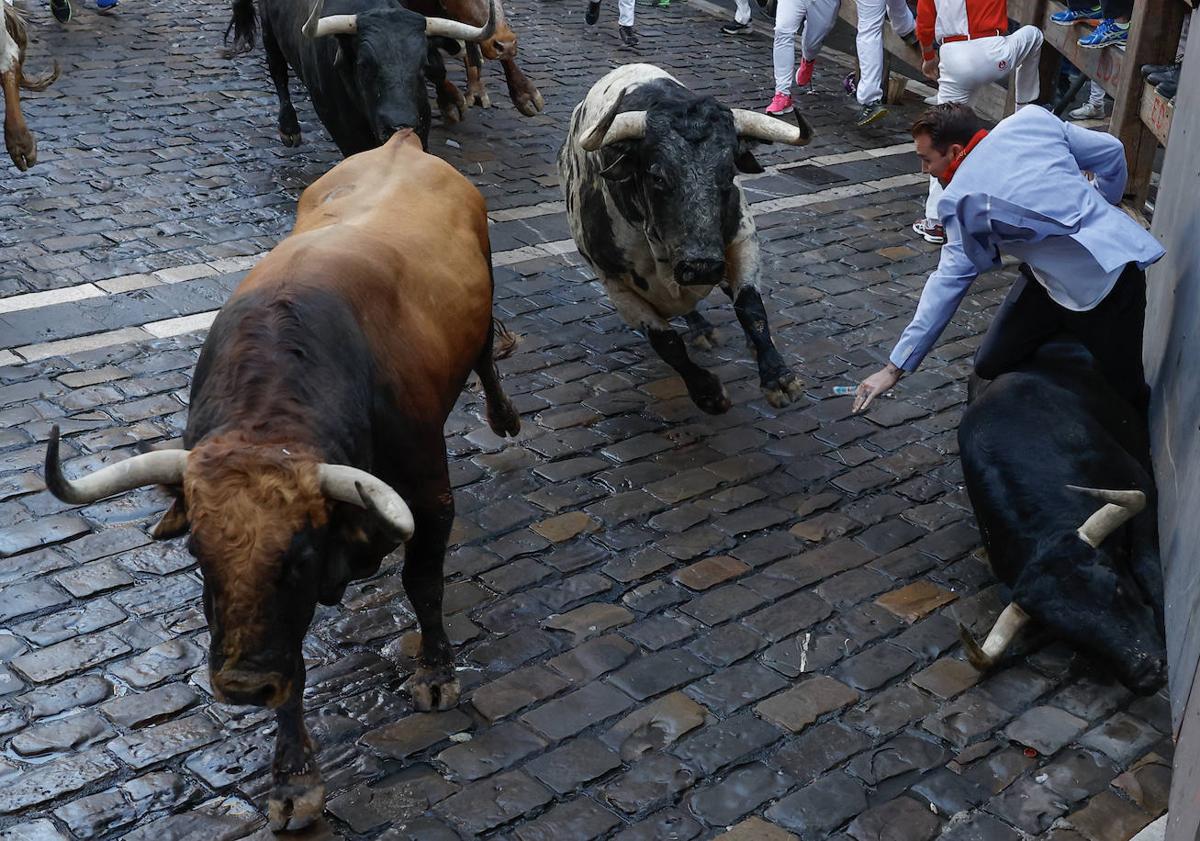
(363, 86)
(678, 179)
(1024, 437)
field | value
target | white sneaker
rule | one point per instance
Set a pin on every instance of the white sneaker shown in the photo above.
(1087, 111)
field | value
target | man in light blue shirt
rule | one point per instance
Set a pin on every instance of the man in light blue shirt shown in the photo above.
(1022, 188)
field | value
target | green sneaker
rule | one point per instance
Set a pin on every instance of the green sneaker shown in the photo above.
(663, 4)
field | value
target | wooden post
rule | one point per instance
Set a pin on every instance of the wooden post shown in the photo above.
(1153, 37)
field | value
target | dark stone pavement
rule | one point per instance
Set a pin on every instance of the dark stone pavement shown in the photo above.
(669, 625)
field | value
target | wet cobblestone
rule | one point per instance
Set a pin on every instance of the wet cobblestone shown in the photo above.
(668, 625)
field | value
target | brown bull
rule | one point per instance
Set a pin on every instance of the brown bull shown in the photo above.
(502, 47)
(314, 443)
(17, 138)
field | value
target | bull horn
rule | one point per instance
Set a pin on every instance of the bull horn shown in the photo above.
(459, 31)
(162, 467)
(612, 127)
(1011, 620)
(771, 130)
(318, 27)
(1118, 507)
(358, 487)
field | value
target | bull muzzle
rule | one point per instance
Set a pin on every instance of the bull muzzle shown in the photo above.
(251, 688)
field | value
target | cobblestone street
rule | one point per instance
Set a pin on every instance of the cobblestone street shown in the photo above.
(669, 625)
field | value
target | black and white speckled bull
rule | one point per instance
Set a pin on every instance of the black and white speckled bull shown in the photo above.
(648, 172)
(1057, 466)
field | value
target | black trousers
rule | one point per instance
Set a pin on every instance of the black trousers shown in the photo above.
(1111, 331)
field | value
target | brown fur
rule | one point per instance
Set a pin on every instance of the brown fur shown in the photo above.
(246, 501)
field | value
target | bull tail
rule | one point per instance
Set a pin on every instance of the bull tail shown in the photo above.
(14, 22)
(243, 24)
(504, 341)
(39, 83)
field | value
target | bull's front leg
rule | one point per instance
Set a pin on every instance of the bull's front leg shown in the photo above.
(17, 139)
(433, 685)
(476, 93)
(297, 796)
(524, 93)
(449, 99)
(704, 387)
(779, 384)
(289, 125)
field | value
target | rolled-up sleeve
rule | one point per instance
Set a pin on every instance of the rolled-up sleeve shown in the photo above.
(943, 292)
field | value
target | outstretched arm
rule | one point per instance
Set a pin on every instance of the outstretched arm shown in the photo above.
(943, 292)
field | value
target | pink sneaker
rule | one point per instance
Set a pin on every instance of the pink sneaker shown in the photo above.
(781, 103)
(804, 72)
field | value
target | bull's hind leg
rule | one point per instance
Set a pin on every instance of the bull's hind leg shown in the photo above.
(297, 795)
(433, 685)
(289, 125)
(501, 414)
(700, 333)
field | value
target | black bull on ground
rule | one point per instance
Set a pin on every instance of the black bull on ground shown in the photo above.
(314, 443)
(1057, 467)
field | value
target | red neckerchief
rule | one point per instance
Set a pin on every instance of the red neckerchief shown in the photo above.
(962, 156)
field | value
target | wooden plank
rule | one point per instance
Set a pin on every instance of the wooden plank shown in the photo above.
(1153, 36)
(1156, 113)
(1102, 66)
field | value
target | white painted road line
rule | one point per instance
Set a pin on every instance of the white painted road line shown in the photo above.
(33, 300)
(558, 248)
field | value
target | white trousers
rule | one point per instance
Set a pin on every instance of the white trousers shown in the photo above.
(869, 42)
(625, 12)
(966, 66)
(818, 17)
(742, 13)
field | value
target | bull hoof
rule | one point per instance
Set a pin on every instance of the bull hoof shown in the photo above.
(453, 112)
(21, 148)
(530, 104)
(503, 419)
(704, 338)
(478, 97)
(296, 803)
(433, 689)
(290, 139)
(782, 389)
(710, 396)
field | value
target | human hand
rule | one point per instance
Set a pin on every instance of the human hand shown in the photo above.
(873, 386)
(930, 68)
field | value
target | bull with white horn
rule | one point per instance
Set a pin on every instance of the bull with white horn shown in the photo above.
(314, 443)
(364, 63)
(648, 170)
(1057, 467)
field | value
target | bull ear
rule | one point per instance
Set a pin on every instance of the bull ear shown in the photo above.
(621, 169)
(174, 521)
(745, 161)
